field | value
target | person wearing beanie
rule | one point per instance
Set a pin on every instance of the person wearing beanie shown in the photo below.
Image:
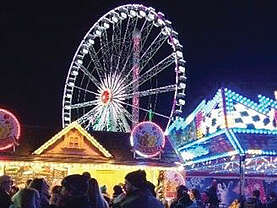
(43, 189)
(138, 194)
(5, 187)
(74, 192)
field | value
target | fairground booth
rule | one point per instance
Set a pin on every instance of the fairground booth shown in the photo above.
(107, 156)
(232, 139)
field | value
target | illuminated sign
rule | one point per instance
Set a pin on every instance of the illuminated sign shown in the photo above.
(9, 130)
(172, 180)
(147, 139)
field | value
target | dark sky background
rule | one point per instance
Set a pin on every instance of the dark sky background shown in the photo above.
(226, 43)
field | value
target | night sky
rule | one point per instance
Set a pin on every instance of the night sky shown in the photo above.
(226, 44)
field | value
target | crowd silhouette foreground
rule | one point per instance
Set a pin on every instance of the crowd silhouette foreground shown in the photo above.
(82, 191)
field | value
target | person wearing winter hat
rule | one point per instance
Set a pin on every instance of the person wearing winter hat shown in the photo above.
(74, 192)
(5, 187)
(43, 188)
(137, 193)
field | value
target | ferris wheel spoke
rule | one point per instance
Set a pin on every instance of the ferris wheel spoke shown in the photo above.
(122, 115)
(127, 65)
(89, 75)
(90, 114)
(152, 71)
(121, 46)
(126, 43)
(129, 43)
(84, 104)
(117, 35)
(152, 50)
(156, 69)
(98, 66)
(115, 67)
(103, 118)
(112, 123)
(145, 32)
(128, 114)
(125, 125)
(105, 49)
(119, 109)
(155, 91)
(85, 90)
(143, 109)
(98, 118)
(116, 43)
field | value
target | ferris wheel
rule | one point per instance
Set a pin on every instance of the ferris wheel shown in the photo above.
(128, 68)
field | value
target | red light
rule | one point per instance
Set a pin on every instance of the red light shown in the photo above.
(106, 97)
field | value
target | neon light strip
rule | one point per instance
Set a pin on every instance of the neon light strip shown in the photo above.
(59, 135)
(254, 131)
(232, 141)
(262, 107)
(261, 152)
(233, 136)
(190, 118)
(227, 154)
(180, 123)
(213, 102)
(222, 131)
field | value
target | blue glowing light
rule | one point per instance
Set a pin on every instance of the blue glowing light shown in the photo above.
(241, 116)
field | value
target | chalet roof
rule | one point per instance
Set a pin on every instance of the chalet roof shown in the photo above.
(116, 143)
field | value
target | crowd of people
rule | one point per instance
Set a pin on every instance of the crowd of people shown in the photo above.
(83, 191)
(209, 199)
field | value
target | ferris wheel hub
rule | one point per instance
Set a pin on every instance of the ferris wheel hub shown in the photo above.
(106, 96)
(124, 64)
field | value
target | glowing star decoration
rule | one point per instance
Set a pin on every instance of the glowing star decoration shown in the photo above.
(9, 130)
(147, 139)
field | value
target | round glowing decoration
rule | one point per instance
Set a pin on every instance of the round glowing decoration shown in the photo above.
(9, 130)
(147, 139)
(172, 179)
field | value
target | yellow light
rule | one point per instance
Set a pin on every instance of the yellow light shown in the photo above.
(65, 131)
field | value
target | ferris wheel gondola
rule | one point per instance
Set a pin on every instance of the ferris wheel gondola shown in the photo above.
(129, 64)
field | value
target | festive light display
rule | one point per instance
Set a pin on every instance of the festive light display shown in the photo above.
(117, 73)
(9, 130)
(229, 124)
(147, 139)
(58, 136)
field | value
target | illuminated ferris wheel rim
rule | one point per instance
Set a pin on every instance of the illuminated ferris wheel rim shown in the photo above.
(105, 94)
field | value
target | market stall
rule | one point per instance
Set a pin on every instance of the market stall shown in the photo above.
(107, 156)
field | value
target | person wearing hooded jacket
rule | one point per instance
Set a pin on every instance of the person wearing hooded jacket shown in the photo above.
(5, 187)
(74, 192)
(137, 194)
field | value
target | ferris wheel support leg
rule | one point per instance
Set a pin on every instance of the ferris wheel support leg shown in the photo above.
(136, 69)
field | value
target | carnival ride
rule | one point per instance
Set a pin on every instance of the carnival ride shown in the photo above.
(229, 134)
(128, 66)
